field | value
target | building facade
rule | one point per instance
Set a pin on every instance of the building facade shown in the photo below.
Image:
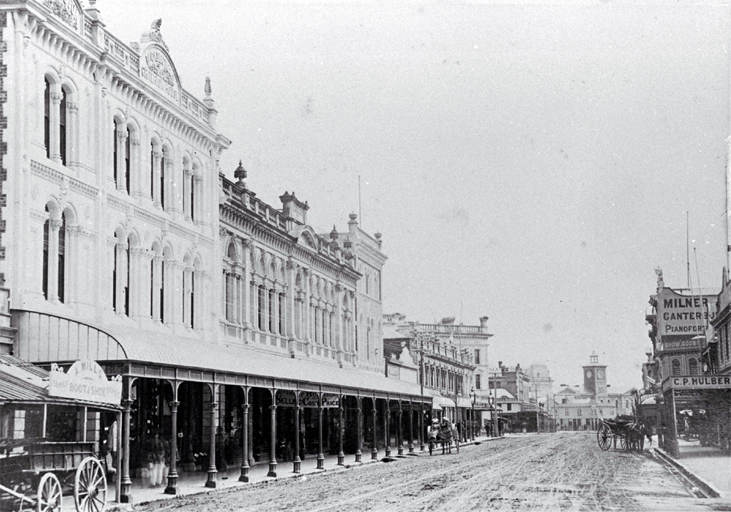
(231, 323)
(585, 407)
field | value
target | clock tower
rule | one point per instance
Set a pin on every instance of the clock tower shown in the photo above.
(595, 377)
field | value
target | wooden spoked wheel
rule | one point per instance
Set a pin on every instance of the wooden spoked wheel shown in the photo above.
(49, 494)
(622, 442)
(90, 486)
(604, 437)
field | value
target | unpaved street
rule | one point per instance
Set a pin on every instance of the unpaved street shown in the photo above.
(562, 471)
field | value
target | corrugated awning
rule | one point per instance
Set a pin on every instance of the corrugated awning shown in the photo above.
(169, 350)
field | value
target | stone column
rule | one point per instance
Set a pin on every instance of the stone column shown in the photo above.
(172, 487)
(307, 308)
(358, 452)
(211, 481)
(187, 191)
(54, 227)
(155, 185)
(54, 120)
(273, 439)
(121, 143)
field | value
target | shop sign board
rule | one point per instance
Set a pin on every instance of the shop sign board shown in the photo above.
(682, 382)
(312, 399)
(481, 406)
(86, 381)
(682, 315)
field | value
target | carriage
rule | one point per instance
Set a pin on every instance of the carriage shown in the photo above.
(443, 433)
(624, 431)
(49, 446)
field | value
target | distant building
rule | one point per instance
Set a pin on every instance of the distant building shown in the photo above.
(449, 352)
(582, 408)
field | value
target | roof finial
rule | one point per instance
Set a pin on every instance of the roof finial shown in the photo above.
(207, 88)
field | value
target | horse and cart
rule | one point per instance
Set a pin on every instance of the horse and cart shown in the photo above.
(625, 432)
(443, 433)
(49, 446)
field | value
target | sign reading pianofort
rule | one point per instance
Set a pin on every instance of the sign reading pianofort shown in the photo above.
(681, 315)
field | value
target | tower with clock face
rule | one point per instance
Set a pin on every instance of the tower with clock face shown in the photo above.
(595, 377)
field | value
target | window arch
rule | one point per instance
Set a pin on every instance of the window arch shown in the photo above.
(693, 366)
(54, 253)
(676, 367)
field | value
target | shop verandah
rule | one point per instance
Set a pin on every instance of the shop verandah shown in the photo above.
(197, 397)
(232, 422)
(697, 410)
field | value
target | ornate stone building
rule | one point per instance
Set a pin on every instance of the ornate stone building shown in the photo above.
(231, 322)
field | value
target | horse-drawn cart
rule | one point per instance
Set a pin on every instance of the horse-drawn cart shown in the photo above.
(35, 475)
(51, 445)
(443, 433)
(625, 431)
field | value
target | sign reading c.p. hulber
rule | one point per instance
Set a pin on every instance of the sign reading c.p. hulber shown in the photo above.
(86, 381)
(700, 382)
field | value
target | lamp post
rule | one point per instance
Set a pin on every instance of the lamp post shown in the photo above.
(473, 396)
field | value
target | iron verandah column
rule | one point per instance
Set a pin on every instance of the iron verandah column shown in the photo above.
(273, 439)
(374, 448)
(244, 477)
(320, 454)
(172, 486)
(211, 481)
(399, 432)
(411, 428)
(341, 455)
(359, 452)
(297, 462)
(387, 421)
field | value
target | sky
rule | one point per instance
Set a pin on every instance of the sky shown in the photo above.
(529, 161)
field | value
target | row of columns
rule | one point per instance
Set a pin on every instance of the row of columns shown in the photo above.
(173, 476)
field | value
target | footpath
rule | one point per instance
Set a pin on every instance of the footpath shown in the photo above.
(194, 483)
(708, 466)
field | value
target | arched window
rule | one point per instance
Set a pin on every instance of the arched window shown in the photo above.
(127, 168)
(152, 170)
(162, 290)
(47, 117)
(62, 127)
(46, 248)
(676, 367)
(262, 307)
(61, 268)
(163, 163)
(115, 154)
(693, 366)
(127, 276)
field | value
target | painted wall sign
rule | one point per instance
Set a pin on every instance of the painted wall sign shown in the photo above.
(86, 381)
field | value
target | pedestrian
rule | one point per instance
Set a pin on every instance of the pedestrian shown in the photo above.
(156, 459)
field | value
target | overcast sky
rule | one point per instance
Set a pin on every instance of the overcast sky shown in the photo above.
(529, 161)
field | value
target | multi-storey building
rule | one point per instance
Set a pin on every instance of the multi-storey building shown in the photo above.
(445, 353)
(235, 338)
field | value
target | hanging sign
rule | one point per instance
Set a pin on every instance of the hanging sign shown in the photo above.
(86, 381)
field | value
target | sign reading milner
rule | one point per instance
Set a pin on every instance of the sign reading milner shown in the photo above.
(86, 381)
(700, 382)
(682, 315)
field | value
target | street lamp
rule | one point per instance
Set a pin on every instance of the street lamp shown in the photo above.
(473, 396)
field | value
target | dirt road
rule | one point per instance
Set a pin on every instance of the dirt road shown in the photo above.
(561, 471)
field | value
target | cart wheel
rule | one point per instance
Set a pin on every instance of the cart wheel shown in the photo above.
(622, 442)
(90, 486)
(49, 494)
(604, 437)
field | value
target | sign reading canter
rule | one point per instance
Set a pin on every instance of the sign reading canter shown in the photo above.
(682, 315)
(86, 381)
